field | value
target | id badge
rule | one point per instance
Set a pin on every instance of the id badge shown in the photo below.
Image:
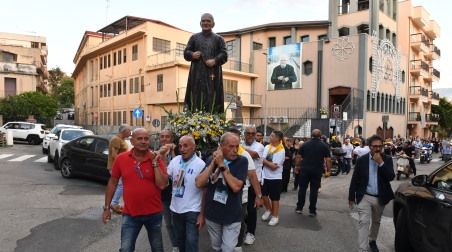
(221, 194)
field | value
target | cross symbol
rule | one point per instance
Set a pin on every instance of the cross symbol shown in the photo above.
(212, 76)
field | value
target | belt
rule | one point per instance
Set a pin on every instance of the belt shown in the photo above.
(371, 195)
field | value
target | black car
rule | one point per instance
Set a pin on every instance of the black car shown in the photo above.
(86, 156)
(423, 212)
(71, 116)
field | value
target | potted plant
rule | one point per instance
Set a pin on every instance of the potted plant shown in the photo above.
(323, 113)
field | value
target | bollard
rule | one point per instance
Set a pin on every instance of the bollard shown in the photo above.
(9, 138)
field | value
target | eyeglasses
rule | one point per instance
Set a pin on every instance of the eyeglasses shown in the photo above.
(377, 146)
(137, 168)
(250, 133)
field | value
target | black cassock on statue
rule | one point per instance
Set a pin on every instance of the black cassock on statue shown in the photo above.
(203, 88)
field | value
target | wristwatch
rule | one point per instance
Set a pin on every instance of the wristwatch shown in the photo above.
(222, 168)
(106, 207)
(154, 164)
(260, 196)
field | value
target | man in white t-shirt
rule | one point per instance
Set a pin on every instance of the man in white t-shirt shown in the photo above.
(188, 215)
(274, 155)
(361, 150)
(347, 164)
(251, 180)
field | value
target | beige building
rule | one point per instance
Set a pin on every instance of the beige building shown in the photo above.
(351, 66)
(23, 64)
(417, 34)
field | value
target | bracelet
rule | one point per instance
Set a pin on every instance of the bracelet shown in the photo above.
(154, 164)
(106, 207)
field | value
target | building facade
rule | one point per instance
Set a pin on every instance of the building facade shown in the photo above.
(23, 64)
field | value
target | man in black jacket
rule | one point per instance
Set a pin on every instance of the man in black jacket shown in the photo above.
(371, 191)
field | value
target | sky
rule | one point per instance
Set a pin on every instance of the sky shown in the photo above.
(63, 23)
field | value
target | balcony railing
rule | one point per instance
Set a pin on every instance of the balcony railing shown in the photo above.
(419, 37)
(436, 50)
(418, 90)
(414, 116)
(435, 96)
(363, 5)
(176, 56)
(432, 117)
(247, 99)
(435, 73)
(416, 64)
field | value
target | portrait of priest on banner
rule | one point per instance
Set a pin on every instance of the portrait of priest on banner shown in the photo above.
(283, 69)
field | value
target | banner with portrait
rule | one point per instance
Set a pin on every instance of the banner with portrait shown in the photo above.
(284, 67)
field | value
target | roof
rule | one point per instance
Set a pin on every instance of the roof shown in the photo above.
(278, 25)
(129, 22)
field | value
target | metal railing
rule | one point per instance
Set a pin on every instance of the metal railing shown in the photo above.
(419, 37)
(436, 50)
(414, 116)
(435, 73)
(432, 117)
(419, 64)
(435, 95)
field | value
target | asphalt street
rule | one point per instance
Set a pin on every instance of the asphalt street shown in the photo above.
(41, 211)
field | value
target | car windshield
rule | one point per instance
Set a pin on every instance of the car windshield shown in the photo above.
(73, 134)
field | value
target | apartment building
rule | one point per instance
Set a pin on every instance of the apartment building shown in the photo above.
(23, 64)
(417, 33)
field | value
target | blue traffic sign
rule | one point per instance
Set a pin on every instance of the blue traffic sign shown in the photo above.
(137, 113)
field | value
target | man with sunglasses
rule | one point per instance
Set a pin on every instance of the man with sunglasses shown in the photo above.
(371, 190)
(144, 175)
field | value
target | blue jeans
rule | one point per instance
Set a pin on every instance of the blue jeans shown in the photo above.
(118, 193)
(313, 178)
(131, 227)
(169, 222)
(347, 165)
(186, 231)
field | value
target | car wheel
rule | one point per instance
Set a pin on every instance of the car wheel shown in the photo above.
(34, 140)
(66, 168)
(49, 158)
(402, 238)
(55, 162)
(44, 150)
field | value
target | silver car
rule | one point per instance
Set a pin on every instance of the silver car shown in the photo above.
(46, 140)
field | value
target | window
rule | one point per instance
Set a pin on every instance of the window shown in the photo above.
(119, 88)
(100, 65)
(257, 46)
(114, 88)
(230, 47)
(109, 89)
(124, 86)
(7, 57)
(105, 90)
(119, 57)
(10, 86)
(307, 67)
(160, 45)
(180, 49)
(304, 38)
(142, 83)
(136, 84)
(164, 120)
(288, 40)
(34, 44)
(124, 117)
(114, 118)
(230, 89)
(124, 54)
(119, 118)
(131, 85)
(322, 37)
(114, 59)
(344, 31)
(134, 52)
(364, 28)
(160, 82)
(109, 60)
(91, 66)
(363, 5)
(105, 61)
(272, 42)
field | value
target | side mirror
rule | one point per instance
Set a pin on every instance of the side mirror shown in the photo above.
(54, 137)
(420, 180)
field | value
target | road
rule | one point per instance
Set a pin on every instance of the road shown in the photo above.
(41, 211)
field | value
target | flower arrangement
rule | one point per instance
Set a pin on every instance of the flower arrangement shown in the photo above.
(206, 128)
(323, 111)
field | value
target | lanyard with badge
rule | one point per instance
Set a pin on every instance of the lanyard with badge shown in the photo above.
(178, 185)
(221, 191)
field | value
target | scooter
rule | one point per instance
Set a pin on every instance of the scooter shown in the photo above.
(403, 166)
(425, 155)
(336, 160)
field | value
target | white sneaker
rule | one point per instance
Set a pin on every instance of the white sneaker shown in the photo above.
(249, 239)
(238, 249)
(274, 220)
(266, 215)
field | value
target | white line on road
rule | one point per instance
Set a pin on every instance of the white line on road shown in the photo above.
(5, 155)
(42, 160)
(21, 158)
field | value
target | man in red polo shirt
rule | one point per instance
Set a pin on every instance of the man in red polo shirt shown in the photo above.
(143, 176)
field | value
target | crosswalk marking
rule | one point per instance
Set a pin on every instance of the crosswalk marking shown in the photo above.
(42, 160)
(21, 158)
(2, 156)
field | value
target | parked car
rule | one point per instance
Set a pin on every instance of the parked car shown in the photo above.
(86, 156)
(71, 116)
(59, 117)
(51, 133)
(33, 133)
(61, 137)
(423, 212)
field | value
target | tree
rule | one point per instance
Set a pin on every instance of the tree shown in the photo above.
(444, 110)
(65, 92)
(19, 107)
(55, 77)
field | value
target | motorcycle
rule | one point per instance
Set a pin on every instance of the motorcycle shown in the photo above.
(425, 155)
(403, 166)
(336, 160)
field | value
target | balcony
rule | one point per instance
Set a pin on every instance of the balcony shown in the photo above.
(420, 17)
(417, 92)
(414, 117)
(420, 43)
(419, 68)
(363, 5)
(432, 30)
(432, 118)
(433, 75)
(249, 100)
(434, 98)
(433, 54)
(176, 56)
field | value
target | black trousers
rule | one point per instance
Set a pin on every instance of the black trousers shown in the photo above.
(285, 179)
(252, 212)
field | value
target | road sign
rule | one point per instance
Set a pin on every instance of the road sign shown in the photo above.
(137, 113)
(148, 118)
(156, 122)
(336, 111)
